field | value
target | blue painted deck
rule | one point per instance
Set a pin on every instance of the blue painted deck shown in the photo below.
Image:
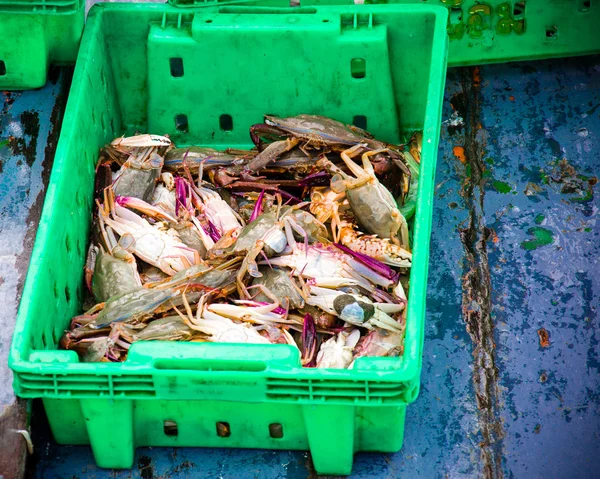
(511, 380)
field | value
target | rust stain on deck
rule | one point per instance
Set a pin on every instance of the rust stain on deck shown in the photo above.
(477, 288)
(459, 153)
(544, 338)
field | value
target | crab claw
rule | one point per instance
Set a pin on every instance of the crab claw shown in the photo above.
(141, 141)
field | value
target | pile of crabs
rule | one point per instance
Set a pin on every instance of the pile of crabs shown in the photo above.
(302, 240)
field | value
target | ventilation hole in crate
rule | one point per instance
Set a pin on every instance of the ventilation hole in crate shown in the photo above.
(358, 68)
(67, 294)
(78, 244)
(68, 244)
(551, 32)
(584, 6)
(43, 340)
(112, 126)
(360, 121)
(176, 65)
(325, 20)
(226, 122)
(103, 122)
(181, 123)
(208, 21)
(170, 428)
(55, 290)
(455, 15)
(276, 430)
(518, 10)
(223, 429)
(2, 68)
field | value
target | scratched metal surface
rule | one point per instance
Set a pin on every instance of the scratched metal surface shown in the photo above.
(511, 368)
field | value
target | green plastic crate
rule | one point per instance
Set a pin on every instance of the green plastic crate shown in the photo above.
(243, 62)
(35, 34)
(496, 31)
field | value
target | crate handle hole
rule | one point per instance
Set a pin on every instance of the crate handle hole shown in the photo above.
(170, 428)
(223, 429)
(181, 123)
(360, 121)
(584, 6)
(358, 68)
(518, 9)
(551, 32)
(226, 122)
(2, 68)
(276, 430)
(176, 65)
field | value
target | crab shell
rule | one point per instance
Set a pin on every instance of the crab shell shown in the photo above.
(319, 129)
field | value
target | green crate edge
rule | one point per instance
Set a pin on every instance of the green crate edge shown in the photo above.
(406, 376)
(52, 38)
(410, 362)
(573, 31)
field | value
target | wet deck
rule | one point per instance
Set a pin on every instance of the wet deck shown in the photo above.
(511, 361)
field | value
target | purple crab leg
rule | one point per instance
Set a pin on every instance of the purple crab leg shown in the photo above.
(309, 342)
(321, 178)
(377, 266)
(257, 211)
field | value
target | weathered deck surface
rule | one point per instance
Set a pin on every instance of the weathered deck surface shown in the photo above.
(511, 375)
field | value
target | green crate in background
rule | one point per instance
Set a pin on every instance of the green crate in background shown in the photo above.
(35, 34)
(497, 31)
(242, 62)
(210, 3)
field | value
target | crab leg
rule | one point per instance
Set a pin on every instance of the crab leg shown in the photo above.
(143, 207)
(271, 153)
